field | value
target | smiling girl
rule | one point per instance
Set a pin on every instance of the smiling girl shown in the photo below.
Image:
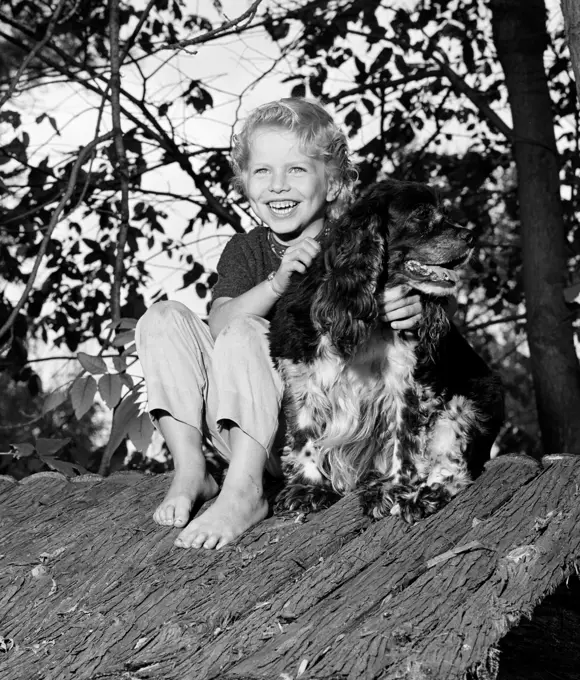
(218, 383)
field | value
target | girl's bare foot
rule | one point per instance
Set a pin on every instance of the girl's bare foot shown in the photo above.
(236, 509)
(188, 488)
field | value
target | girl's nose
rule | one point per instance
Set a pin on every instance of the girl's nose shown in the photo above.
(278, 182)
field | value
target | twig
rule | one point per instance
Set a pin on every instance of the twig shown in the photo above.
(83, 153)
(378, 87)
(214, 33)
(501, 319)
(30, 56)
(137, 30)
(155, 132)
(115, 87)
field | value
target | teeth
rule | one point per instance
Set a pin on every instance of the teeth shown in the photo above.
(435, 273)
(282, 207)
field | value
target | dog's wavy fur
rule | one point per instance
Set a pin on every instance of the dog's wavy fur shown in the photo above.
(407, 418)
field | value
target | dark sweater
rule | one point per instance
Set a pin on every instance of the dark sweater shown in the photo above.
(246, 261)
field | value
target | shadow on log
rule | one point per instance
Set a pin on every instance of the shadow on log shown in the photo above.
(91, 589)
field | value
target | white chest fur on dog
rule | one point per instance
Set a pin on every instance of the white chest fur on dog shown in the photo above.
(350, 410)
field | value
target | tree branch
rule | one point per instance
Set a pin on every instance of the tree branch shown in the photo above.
(493, 322)
(198, 40)
(475, 97)
(33, 52)
(122, 167)
(374, 86)
(571, 13)
(83, 153)
(158, 133)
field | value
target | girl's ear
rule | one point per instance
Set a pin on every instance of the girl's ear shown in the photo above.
(333, 189)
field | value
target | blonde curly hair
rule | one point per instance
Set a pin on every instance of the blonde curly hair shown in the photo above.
(319, 136)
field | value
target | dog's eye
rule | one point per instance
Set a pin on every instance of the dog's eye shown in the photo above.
(423, 212)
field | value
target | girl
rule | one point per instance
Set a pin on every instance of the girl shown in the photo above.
(218, 383)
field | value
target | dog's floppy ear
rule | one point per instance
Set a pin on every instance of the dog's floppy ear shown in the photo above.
(345, 303)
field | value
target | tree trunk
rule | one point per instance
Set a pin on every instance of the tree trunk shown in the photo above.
(571, 12)
(91, 588)
(520, 38)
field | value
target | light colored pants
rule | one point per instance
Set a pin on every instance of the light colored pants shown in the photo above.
(203, 383)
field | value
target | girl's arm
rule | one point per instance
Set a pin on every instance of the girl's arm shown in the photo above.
(260, 299)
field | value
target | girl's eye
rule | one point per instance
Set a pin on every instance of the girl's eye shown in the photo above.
(298, 169)
(259, 171)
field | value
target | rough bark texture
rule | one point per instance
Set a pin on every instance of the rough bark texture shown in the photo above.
(91, 588)
(520, 38)
(571, 12)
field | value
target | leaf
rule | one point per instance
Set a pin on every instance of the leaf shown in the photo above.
(127, 411)
(192, 275)
(125, 338)
(22, 450)
(82, 394)
(55, 399)
(10, 117)
(126, 322)
(120, 364)
(127, 380)
(128, 351)
(51, 120)
(48, 447)
(91, 363)
(65, 467)
(140, 432)
(110, 386)
(572, 293)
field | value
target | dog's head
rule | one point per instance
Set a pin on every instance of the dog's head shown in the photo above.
(396, 232)
(424, 248)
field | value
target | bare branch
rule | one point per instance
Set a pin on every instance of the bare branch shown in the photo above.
(83, 153)
(571, 13)
(142, 19)
(493, 322)
(205, 37)
(380, 86)
(115, 87)
(475, 97)
(155, 132)
(35, 50)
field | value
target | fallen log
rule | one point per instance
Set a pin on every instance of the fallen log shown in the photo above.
(91, 588)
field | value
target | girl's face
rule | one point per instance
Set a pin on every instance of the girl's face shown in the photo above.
(287, 189)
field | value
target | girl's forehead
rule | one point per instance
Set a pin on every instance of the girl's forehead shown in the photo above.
(276, 141)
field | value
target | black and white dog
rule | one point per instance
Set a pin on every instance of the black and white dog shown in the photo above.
(405, 418)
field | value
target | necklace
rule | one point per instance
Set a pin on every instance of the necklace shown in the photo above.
(279, 249)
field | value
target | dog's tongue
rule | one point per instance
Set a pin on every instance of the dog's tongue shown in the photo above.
(444, 274)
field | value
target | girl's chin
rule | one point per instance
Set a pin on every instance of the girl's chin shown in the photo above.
(288, 234)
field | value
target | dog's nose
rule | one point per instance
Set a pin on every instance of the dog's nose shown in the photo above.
(467, 236)
(464, 232)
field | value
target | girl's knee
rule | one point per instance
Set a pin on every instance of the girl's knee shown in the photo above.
(244, 329)
(162, 315)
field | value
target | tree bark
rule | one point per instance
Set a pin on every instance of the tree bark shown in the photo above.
(520, 38)
(90, 589)
(571, 12)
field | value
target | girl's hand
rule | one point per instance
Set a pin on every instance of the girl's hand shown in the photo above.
(401, 309)
(297, 258)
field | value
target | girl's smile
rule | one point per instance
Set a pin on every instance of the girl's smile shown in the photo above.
(287, 189)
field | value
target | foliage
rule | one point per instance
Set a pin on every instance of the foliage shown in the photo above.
(417, 89)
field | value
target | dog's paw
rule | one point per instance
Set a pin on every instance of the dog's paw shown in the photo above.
(305, 497)
(378, 497)
(416, 504)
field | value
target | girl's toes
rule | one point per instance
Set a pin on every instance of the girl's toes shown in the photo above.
(211, 542)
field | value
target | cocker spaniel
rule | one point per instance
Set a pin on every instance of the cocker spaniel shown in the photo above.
(405, 418)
